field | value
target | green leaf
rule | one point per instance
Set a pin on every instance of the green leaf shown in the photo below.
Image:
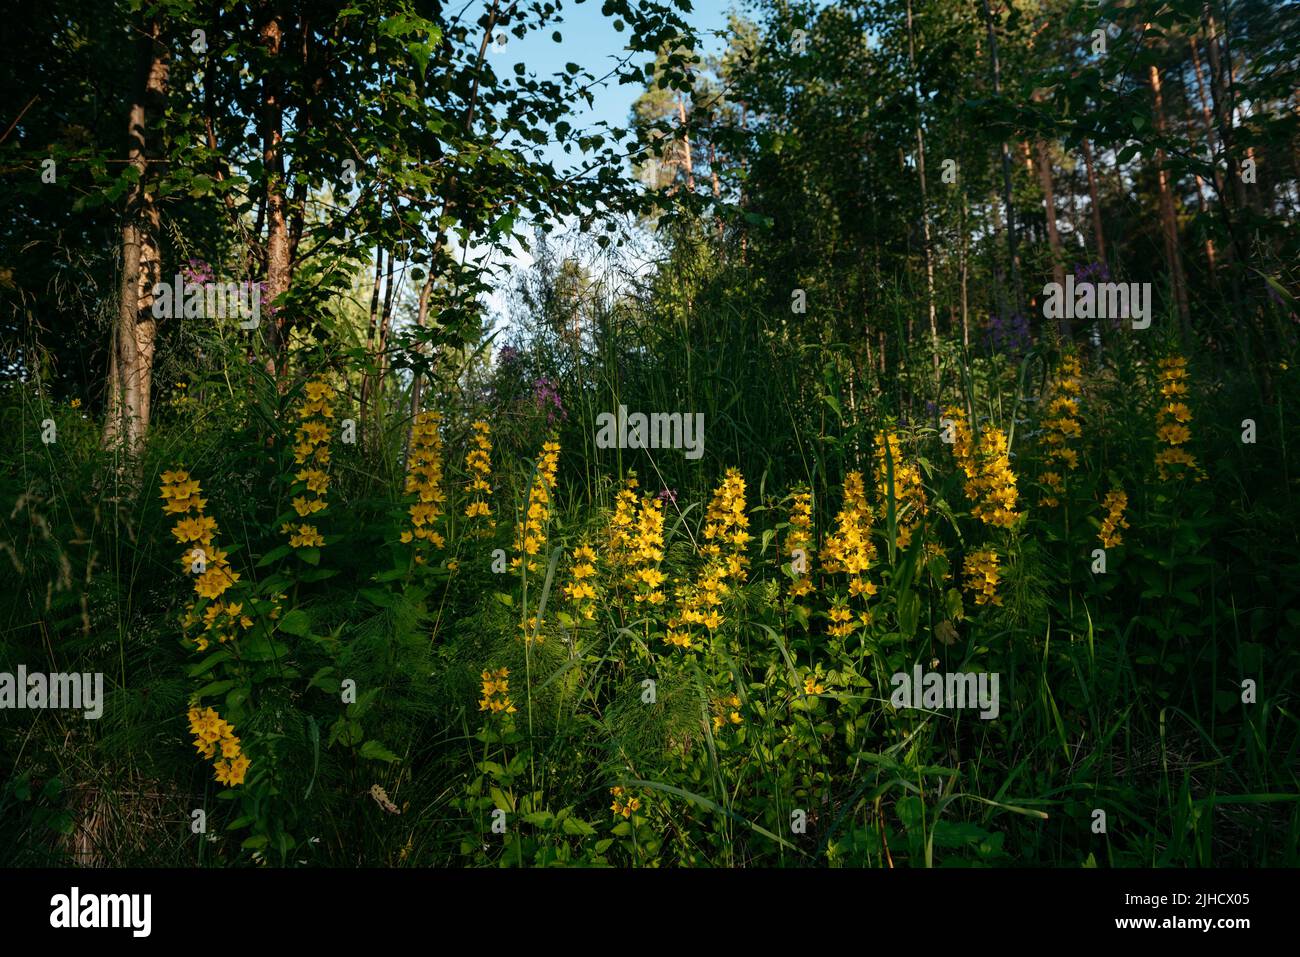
(274, 555)
(214, 688)
(375, 751)
(296, 622)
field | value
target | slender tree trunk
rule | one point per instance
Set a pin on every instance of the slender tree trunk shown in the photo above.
(1012, 253)
(1206, 116)
(925, 208)
(1053, 236)
(1168, 217)
(1203, 205)
(277, 224)
(686, 162)
(963, 255)
(131, 361)
(1098, 234)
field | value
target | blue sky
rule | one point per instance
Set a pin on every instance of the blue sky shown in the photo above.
(590, 40)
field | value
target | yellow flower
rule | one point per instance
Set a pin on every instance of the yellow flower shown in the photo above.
(799, 543)
(478, 465)
(312, 446)
(306, 536)
(907, 490)
(496, 687)
(981, 570)
(1114, 503)
(1061, 427)
(1171, 422)
(530, 534)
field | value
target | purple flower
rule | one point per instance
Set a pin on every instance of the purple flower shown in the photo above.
(508, 355)
(197, 271)
(1009, 335)
(668, 495)
(1092, 272)
(547, 396)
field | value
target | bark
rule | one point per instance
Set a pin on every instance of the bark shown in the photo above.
(131, 359)
(1098, 234)
(1206, 117)
(277, 223)
(685, 162)
(1203, 205)
(925, 208)
(1168, 217)
(1053, 237)
(1012, 254)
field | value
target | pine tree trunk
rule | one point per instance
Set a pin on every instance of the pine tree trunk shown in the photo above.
(1098, 234)
(1013, 255)
(1053, 236)
(1168, 217)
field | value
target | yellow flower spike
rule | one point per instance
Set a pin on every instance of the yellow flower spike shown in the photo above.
(1115, 502)
(981, 570)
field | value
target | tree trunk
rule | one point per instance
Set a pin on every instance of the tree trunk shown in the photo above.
(685, 162)
(1053, 237)
(1098, 234)
(277, 223)
(131, 360)
(925, 209)
(1013, 255)
(1168, 218)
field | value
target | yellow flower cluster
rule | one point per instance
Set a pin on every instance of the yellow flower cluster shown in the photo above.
(530, 534)
(849, 550)
(1061, 427)
(726, 535)
(812, 684)
(311, 450)
(842, 624)
(581, 591)
(219, 619)
(990, 483)
(981, 569)
(478, 463)
(621, 524)
(725, 523)
(647, 551)
(1114, 503)
(496, 692)
(212, 734)
(726, 711)
(424, 479)
(698, 604)
(1171, 422)
(997, 481)
(182, 496)
(908, 491)
(800, 540)
(624, 803)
